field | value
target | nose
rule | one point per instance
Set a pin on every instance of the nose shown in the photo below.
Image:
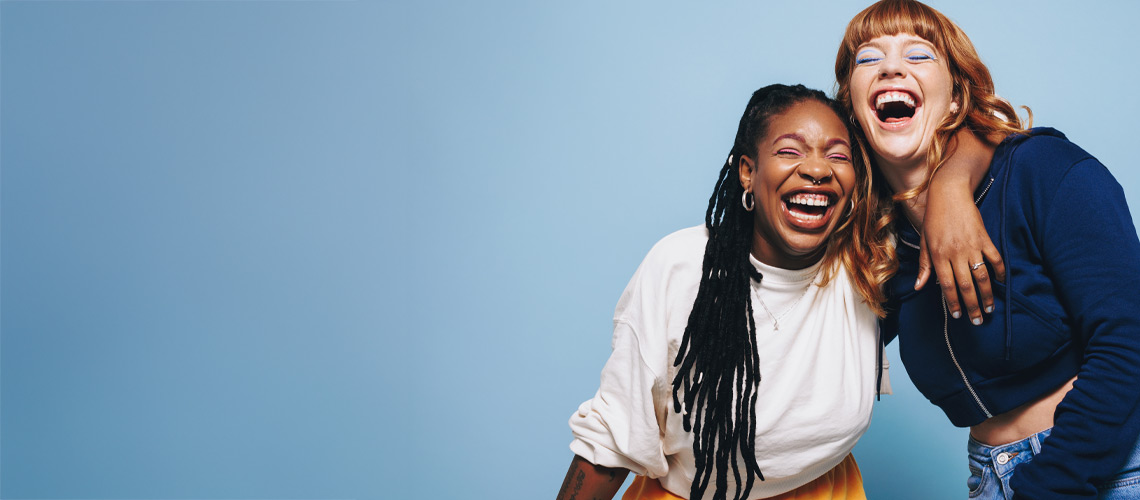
(815, 170)
(892, 66)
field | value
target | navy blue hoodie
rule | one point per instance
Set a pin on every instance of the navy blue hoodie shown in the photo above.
(1070, 306)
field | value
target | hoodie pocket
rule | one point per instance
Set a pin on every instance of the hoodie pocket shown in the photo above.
(1018, 335)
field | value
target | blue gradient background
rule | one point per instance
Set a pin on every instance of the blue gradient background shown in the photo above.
(345, 249)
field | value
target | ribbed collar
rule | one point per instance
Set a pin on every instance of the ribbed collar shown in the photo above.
(774, 274)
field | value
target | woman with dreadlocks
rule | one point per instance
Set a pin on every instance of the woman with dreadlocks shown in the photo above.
(782, 283)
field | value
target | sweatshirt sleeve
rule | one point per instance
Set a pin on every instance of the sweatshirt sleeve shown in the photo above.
(1089, 244)
(618, 427)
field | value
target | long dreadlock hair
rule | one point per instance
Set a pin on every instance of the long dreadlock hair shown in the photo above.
(718, 365)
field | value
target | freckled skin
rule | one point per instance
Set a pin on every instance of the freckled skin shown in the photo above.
(902, 61)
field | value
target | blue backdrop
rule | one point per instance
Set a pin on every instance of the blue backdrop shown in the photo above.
(352, 249)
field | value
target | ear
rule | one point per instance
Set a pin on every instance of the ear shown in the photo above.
(746, 166)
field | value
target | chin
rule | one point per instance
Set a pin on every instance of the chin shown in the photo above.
(804, 247)
(897, 150)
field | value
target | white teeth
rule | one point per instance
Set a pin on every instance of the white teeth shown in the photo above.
(810, 199)
(807, 217)
(893, 96)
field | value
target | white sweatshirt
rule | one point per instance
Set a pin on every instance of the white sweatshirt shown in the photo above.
(817, 370)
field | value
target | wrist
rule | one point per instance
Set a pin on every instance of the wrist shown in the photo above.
(953, 184)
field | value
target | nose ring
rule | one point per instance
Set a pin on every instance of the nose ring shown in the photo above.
(815, 182)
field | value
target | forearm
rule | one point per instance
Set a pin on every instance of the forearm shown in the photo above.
(1095, 431)
(966, 163)
(586, 481)
(953, 233)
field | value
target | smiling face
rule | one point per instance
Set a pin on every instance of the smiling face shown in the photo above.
(802, 177)
(901, 91)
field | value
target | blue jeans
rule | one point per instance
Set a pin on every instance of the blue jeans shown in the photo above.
(992, 466)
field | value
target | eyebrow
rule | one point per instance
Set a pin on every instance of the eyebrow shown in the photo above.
(800, 138)
(794, 137)
(921, 41)
(869, 45)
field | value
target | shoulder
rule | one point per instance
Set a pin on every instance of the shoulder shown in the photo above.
(680, 247)
(1044, 155)
(1048, 178)
(671, 271)
(1036, 166)
(682, 243)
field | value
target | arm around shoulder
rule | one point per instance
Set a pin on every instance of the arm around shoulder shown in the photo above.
(954, 239)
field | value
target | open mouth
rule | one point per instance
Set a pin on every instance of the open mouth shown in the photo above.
(894, 106)
(809, 209)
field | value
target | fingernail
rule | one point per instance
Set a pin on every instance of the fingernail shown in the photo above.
(956, 314)
(916, 283)
(989, 309)
(976, 321)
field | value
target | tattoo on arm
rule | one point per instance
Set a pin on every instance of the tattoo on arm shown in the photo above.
(578, 485)
(566, 482)
(586, 481)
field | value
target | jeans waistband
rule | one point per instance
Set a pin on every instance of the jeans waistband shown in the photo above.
(1004, 458)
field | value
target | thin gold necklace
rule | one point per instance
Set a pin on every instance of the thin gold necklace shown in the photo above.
(776, 319)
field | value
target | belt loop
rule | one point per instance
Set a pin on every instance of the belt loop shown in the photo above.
(1035, 444)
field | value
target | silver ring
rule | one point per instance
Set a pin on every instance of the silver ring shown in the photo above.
(976, 266)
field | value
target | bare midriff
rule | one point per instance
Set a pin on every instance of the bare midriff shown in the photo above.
(1023, 421)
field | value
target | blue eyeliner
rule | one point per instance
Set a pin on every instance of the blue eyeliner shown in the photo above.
(923, 51)
(862, 60)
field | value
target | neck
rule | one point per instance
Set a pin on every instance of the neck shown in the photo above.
(902, 177)
(914, 209)
(776, 257)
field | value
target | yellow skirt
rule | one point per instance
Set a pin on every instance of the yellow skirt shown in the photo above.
(840, 483)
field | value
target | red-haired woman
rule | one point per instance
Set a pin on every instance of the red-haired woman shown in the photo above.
(1047, 383)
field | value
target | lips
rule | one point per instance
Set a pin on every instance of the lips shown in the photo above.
(809, 208)
(894, 108)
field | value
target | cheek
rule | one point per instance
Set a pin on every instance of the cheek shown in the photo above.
(859, 88)
(847, 178)
(860, 83)
(866, 119)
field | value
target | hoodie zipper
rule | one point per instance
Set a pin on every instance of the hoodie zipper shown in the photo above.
(946, 316)
(946, 336)
(984, 191)
(946, 330)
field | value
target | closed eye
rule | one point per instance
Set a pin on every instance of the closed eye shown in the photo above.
(788, 152)
(919, 55)
(839, 156)
(868, 56)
